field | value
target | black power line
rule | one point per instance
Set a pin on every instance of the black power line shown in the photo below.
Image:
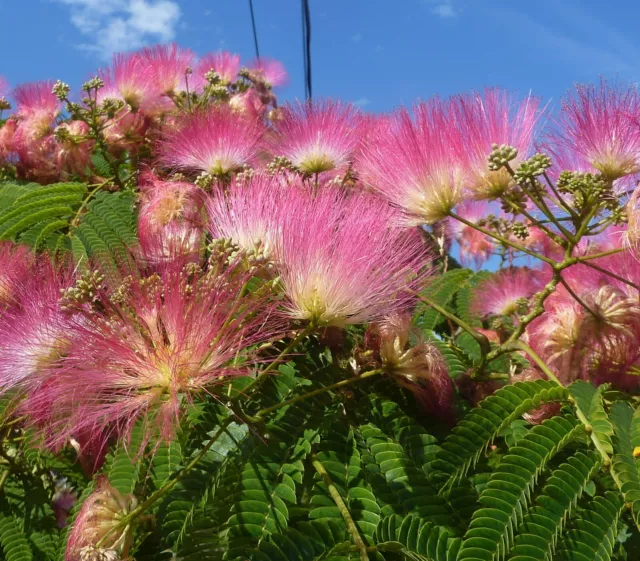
(253, 24)
(306, 47)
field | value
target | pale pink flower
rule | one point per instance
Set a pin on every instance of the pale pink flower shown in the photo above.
(249, 104)
(272, 72)
(170, 221)
(494, 117)
(126, 131)
(128, 79)
(73, 154)
(216, 141)
(34, 334)
(161, 341)
(317, 136)
(8, 137)
(601, 123)
(37, 110)
(170, 67)
(475, 247)
(98, 521)
(252, 215)
(341, 262)
(502, 294)
(224, 63)
(417, 164)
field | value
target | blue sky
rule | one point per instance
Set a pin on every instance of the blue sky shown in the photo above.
(378, 53)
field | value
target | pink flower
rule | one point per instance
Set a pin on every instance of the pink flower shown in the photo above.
(270, 71)
(170, 221)
(502, 294)
(8, 137)
(130, 80)
(98, 521)
(317, 136)
(16, 262)
(475, 247)
(37, 110)
(216, 141)
(169, 68)
(342, 262)
(73, 154)
(34, 335)
(416, 163)
(248, 104)
(601, 123)
(252, 215)
(493, 118)
(161, 340)
(224, 63)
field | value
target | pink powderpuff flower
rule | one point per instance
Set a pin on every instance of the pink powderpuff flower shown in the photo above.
(215, 141)
(341, 261)
(73, 154)
(8, 138)
(601, 124)
(421, 369)
(170, 69)
(416, 164)
(225, 64)
(502, 293)
(126, 131)
(16, 262)
(317, 136)
(248, 104)
(36, 159)
(475, 247)
(170, 221)
(252, 215)
(161, 341)
(37, 110)
(34, 336)
(494, 117)
(129, 79)
(97, 522)
(270, 71)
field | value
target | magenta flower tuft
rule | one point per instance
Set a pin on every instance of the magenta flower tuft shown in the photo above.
(601, 123)
(270, 71)
(37, 109)
(493, 118)
(224, 63)
(318, 136)
(342, 261)
(504, 292)
(475, 247)
(416, 163)
(170, 67)
(16, 262)
(216, 141)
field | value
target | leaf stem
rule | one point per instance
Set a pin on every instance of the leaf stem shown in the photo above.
(342, 507)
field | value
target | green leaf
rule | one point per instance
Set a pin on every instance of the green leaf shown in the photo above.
(508, 492)
(467, 441)
(441, 291)
(12, 539)
(589, 400)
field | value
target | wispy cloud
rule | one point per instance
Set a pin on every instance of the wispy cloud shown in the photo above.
(442, 8)
(585, 41)
(122, 25)
(362, 102)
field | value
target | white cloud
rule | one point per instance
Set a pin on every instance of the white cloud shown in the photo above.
(442, 8)
(123, 25)
(362, 102)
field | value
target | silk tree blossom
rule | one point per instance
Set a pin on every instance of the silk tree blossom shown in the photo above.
(73, 153)
(215, 141)
(318, 136)
(170, 69)
(16, 262)
(270, 71)
(342, 261)
(225, 64)
(161, 341)
(417, 164)
(37, 110)
(504, 293)
(34, 335)
(170, 221)
(98, 521)
(129, 79)
(252, 215)
(475, 247)
(494, 117)
(601, 123)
